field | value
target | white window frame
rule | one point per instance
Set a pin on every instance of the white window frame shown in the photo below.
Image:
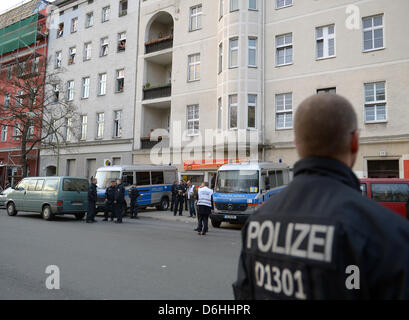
(19, 99)
(252, 48)
(193, 60)
(122, 12)
(233, 105)
(70, 90)
(375, 103)
(373, 29)
(106, 11)
(102, 84)
(104, 43)
(220, 60)
(89, 19)
(100, 125)
(56, 93)
(68, 130)
(16, 131)
(85, 87)
(4, 131)
(285, 46)
(87, 51)
(121, 37)
(195, 17)
(232, 50)
(194, 120)
(58, 59)
(252, 105)
(72, 53)
(249, 5)
(7, 97)
(286, 111)
(325, 38)
(120, 74)
(74, 25)
(234, 5)
(117, 124)
(84, 127)
(287, 3)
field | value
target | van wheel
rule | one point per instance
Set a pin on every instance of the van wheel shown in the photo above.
(216, 223)
(47, 214)
(164, 204)
(80, 216)
(11, 209)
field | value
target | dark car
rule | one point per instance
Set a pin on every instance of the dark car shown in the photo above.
(3, 197)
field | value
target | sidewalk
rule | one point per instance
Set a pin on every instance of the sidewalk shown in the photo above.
(167, 215)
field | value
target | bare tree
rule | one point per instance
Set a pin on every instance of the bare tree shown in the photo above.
(39, 108)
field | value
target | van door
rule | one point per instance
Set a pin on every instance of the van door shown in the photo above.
(143, 182)
(39, 195)
(74, 195)
(18, 194)
(30, 196)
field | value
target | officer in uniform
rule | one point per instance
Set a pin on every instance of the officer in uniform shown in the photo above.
(134, 195)
(204, 205)
(173, 191)
(109, 202)
(320, 238)
(119, 200)
(92, 200)
(180, 196)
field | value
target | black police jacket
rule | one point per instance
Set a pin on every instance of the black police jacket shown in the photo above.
(92, 193)
(133, 194)
(320, 238)
(173, 189)
(119, 194)
(180, 190)
(110, 194)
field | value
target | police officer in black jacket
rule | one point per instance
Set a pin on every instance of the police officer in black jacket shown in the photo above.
(320, 238)
(109, 202)
(119, 200)
(133, 196)
(180, 196)
(92, 200)
(173, 191)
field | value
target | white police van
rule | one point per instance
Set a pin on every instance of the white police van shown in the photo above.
(153, 182)
(240, 188)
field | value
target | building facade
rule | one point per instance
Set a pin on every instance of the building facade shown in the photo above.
(94, 44)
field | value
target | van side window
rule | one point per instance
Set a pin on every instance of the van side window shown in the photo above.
(78, 185)
(280, 178)
(22, 185)
(31, 186)
(363, 189)
(39, 185)
(390, 192)
(157, 177)
(273, 179)
(127, 178)
(265, 181)
(51, 185)
(143, 178)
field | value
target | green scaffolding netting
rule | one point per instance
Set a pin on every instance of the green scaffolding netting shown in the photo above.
(18, 35)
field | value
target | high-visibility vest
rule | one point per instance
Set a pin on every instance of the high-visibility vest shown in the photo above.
(205, 197)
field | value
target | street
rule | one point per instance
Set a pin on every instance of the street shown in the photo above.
(146, 258)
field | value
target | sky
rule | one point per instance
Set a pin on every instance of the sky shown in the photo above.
(5, 4)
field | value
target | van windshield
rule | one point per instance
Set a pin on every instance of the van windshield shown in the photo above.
(238, 181)
(75, 185)
(105, 177)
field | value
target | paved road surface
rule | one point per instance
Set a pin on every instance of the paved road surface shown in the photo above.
(140, 259)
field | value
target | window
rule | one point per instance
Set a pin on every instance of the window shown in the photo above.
(87, 51)
(16, 131)
(50, 185)
(19, 98)
(117, 124)
(127, 178)
(194, 67)
(89, 19)
(85, 88)
(120, 80)
(35, 65)
(68, 129)
(143, 178)
(104, 47)
(327, 90)
(375, 102)
(30, 132)
(284, 111)
(252, 52)
(74, 25)
(221, 8)
(100, 125)
(219, 113)
(193, 120)
(84, 127)
(233, 105)
(4, 133)
(234, 5)
(123, 8)
(121, 41)
(283, 3)
(71, 55)
(195, 18)
(56, 92)
(102, 84)
(233, 53)
(74, 7)
(253, 4)
(157, 177)
(6, 104)
(70, 90)
(325, 42)
(390, 192)
(220, 57)
(31, 185)
(58, 59)
(78, 185)
(284, 49)
(105, 14)
(60, 31)
(373, 32)
(9, 73)
(251, 111)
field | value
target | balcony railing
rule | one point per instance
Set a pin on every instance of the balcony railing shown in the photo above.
(157, 92)
(159, 44)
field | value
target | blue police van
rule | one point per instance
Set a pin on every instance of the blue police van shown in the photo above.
(153, 182)
(240, 188)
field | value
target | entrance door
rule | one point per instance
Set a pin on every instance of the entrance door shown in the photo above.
(383, 169)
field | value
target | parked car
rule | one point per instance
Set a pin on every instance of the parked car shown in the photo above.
(391, 193)
(49, 196)
(3, 197)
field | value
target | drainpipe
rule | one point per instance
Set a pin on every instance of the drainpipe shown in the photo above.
(263, 82)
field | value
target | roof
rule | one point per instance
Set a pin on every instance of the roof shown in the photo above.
(22, 11)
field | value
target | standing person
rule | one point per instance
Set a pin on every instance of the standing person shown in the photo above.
(204, 204)
(173, 190)
(319, 231)
(119, 200)
(92, 200)
(185, 198)
(180, 196)
(134, 195)
(109, 202)
(191, 198)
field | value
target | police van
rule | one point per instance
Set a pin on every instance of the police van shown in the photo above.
(240, 188)
(153, 182)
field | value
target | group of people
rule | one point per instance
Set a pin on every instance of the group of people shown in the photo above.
(114, 201)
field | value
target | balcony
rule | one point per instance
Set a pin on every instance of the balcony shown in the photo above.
(157, 92)
(159, 44)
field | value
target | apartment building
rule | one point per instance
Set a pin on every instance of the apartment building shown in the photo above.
(245, 65)
(94, 44)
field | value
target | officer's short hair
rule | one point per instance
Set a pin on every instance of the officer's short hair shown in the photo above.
(324, 125)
